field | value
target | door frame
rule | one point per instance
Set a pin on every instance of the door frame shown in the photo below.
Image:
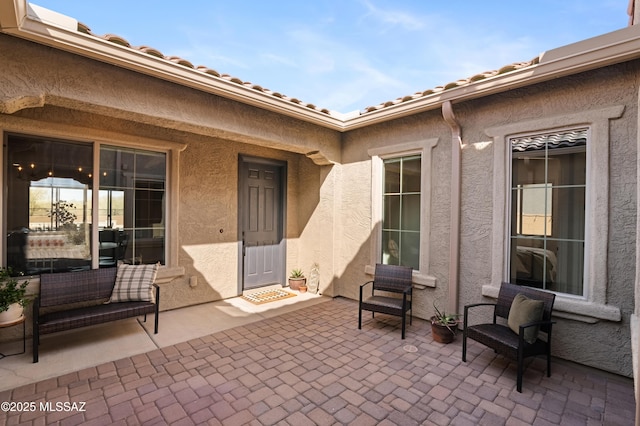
(282, 165)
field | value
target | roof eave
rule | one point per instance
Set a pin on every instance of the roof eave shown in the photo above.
(615, 47)
(608, 49)
(22, 20)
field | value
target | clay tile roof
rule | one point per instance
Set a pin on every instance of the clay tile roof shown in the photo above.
(180, 61)
(82, 28)
(459, 83)
(208, 70)
(151, 51)
(116, 39)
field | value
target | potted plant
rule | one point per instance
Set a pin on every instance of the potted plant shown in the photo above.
(444, 326)
(13, 297)
(297, 278)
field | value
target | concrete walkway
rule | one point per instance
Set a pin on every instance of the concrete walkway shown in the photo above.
(313, 366)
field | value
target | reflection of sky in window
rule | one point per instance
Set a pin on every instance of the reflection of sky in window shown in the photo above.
(57, 182)
(67, 188)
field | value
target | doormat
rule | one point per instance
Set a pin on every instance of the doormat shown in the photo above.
(265, 296)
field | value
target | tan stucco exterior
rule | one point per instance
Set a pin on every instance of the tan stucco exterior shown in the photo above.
(331, 175)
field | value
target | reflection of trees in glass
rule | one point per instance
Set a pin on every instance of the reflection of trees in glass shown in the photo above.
(60, 212)
(111, 208)
(38, 201)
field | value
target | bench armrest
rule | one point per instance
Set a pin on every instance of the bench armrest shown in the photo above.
(537, 323)
(474, 305)
(521, 341)
(467, 308)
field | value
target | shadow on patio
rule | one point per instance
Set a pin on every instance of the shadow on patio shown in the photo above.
(313, 366)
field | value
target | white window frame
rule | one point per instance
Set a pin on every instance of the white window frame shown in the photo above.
(592, 306)
(423, 148)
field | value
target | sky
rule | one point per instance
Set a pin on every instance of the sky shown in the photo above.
(346, 55)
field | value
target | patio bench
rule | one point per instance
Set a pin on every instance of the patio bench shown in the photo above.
(70, 300)
(519, 338)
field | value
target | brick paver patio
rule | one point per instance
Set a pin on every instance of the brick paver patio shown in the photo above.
(314, 367)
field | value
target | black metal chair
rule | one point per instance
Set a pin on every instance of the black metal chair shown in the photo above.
(387, 281)
(502, 339)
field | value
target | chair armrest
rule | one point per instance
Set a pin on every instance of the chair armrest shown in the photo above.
(537, 323)
(475, 305)
(362, 286)
(368, 282)
(522, 327)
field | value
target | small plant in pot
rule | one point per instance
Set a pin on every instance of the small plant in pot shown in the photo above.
(444, 326)
(13, 297)
(297, 279)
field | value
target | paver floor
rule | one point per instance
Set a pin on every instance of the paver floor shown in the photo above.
(314, 367)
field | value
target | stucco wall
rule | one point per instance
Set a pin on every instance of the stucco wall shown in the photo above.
(599, 343)
(68, 97)
(51, 93)
(356, 204)
(603, 344)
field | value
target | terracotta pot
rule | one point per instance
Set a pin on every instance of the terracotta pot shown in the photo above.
(302, 288)
(442, 333)
(12, 314)
(295, 283)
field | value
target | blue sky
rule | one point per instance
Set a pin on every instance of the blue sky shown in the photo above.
(346, 55)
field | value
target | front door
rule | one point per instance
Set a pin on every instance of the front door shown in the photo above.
(262, 224)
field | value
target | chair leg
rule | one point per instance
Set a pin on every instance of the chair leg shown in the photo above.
(36, 342)
(404, 322)
(519, 380)
(464, 345)
(359, 318)
(520, 370)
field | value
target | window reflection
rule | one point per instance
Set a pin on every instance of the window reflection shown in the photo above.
(401, 211)
(49, 205)
(49, 215)
(132, 206)
(548, 211)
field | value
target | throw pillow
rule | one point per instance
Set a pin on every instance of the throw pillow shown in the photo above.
(134, 283)
(523, 311)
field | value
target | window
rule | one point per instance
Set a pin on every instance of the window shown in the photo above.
(131, 206)
(401, 217)
(548, 211)
(50, 206)
(589, 301)
(400, 207)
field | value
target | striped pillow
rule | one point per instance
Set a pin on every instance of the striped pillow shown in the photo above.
(134, 283)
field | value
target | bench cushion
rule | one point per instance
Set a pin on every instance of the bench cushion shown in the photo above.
(134, 283)
(91, 315)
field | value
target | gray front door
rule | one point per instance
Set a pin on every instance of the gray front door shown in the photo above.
(261, 211)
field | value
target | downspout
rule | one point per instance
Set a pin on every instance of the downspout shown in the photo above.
(454, 226)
